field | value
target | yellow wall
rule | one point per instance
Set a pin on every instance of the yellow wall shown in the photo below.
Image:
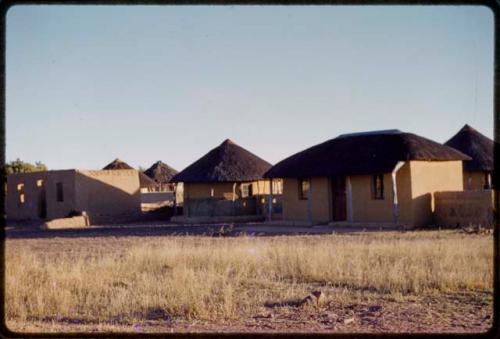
(364, 207)
(293, 207)
(320, 202)
(428, 177)
(296, 209)
(99, 193)
(416, 182)
(222, 190)
(29, 209)
(108, 194)
(476, 180)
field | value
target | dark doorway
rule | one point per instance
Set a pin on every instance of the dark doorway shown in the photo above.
(42, 203)
(338, 198)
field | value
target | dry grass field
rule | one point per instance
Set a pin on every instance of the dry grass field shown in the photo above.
(438, 281)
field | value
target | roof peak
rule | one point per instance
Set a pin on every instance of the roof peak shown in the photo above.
(228, 142)
(376, 132)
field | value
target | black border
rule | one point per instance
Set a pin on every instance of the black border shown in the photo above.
(493, 5)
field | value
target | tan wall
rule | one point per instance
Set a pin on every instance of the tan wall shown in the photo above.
(108, 196)
(32, 193)
(293, 207)
(416, 183)
(364, 207)
(296, 209)
(461, 209)
(477, 181)
(222, 190)
(102, 194)
(320, 202)
(428, 177)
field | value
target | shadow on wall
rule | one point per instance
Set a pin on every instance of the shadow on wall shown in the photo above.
(422, 210)
(105, 202)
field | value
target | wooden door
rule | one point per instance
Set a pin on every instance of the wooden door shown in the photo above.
(338, 198)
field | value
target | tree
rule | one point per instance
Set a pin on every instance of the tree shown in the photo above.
(19, 166)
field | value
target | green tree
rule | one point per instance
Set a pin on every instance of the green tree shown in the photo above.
(19, 166)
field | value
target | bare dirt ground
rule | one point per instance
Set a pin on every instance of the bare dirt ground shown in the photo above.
(367, 311)
(453, 313)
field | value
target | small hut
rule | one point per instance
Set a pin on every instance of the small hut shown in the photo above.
(161, 173)
(370, 177)
(478, 170)
(145, 182)
(225, 182)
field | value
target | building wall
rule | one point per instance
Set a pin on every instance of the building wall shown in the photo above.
(296, 209)
(108, 195)
(33, 193)
(222, 190)
(465, 208)
(428, 177)
(293, 207)
(364, 207)
(476, 180)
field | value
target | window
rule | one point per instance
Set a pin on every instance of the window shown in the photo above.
(20, 189)
(39, 182)
(212, 192)
(378, 187)
(487, 180)
(277, 186)
(303, 189)
(246, 190)
(59, 192)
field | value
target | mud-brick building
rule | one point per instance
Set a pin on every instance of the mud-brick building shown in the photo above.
(381, 177)
(106, 196)
(478, 170)
(224, 184)
(147, 184)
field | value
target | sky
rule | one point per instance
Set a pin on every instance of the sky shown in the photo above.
(88, 84)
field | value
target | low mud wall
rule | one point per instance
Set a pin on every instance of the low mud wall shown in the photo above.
(219, 207)
(464, 208)
(156, 197)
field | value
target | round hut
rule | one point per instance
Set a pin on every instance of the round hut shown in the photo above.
(225, 182)
(162, 174)
(478, 170)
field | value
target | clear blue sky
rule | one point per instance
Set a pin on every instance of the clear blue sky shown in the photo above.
(88, 84)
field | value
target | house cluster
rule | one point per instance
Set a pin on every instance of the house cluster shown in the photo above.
(380, 177)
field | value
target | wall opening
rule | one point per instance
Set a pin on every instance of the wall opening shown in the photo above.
(59, 192)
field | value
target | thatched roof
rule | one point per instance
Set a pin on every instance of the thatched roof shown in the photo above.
(117, 164)
(362, 153)
(160, 172)
(227, 162)
(476, 145)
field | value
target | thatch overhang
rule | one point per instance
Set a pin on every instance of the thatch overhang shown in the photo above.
(160, 172)
(117, 164)
(362, 153)
(476, 145)
(228, 162)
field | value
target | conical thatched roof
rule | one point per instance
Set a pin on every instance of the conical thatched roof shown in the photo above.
(117, 164)
(160, 172)
(362, 153)
(476, 145)
(227, 162)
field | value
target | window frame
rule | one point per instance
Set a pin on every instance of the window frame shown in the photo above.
(376, 193)
(304, 194)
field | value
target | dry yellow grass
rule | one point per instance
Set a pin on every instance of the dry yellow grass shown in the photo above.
(216, 278)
